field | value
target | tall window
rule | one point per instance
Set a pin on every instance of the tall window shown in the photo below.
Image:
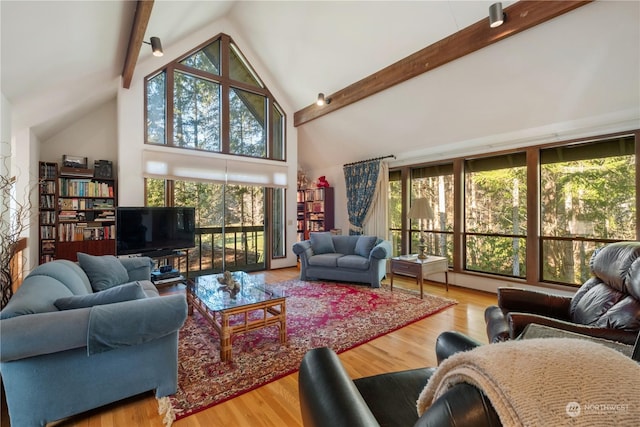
(395, 211)
(435, 183)
(211, 99)
(587, 195)
(496, 214)
(230, 226)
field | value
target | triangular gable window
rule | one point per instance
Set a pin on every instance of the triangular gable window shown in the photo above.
(206, 59)
(212, 99)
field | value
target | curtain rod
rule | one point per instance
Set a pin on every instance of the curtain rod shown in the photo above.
(369, 160)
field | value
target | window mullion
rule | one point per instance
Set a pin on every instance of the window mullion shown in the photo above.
(225, 125)
(169, 112)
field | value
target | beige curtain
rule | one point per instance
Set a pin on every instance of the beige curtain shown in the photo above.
(376, 222)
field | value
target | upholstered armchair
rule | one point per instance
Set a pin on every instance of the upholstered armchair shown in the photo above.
(476, 386)
(606, 306)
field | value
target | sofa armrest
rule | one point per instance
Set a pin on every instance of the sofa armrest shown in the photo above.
(303, 249)
(43, 333)
(129, 323)
(328, 396)
(381, 251)
(518, 321)
(525, 301)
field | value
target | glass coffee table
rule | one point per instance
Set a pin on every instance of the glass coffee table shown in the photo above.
(255, 306)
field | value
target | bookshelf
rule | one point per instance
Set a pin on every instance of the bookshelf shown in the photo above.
(318, 210)
(47, 202)
(300, 215)
(77, 213)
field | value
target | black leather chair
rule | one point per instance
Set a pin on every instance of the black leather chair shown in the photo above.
(605, 306)
(329, 398)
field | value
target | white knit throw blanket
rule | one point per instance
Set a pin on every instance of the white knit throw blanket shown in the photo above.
(546, 382)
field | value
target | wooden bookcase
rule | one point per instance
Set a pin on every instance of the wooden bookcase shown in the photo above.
(318, 210)
(47, 210)
(300, 216)
(80, 214)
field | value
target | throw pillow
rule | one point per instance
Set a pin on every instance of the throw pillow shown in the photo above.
(103, 271)
(364, 245)
(126, 292)
(322, 243)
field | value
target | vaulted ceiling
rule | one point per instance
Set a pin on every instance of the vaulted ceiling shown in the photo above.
(577, 73)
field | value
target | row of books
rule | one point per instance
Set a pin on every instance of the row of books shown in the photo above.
(84, 204)
(84, 188)
(315, 194)
(47, 232)
(96, 215)
(48, 170)
(47, 217)
(47, 202)
(79, 231)
(47, 187)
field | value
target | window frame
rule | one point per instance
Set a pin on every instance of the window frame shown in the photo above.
(226, 83)
(534, 237)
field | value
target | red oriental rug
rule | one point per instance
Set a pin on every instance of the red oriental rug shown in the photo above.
(319, 314)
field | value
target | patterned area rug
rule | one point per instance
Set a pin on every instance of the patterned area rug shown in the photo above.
(318, 314)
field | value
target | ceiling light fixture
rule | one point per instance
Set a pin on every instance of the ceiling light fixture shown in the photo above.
(156, 46)
(322, 100)
(496, 15)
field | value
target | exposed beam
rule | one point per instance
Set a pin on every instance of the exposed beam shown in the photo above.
(140, 21)
(521, 16)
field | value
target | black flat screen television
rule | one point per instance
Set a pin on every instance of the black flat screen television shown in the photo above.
(145, 230)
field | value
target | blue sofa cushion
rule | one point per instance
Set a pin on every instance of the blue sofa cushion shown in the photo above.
(325, 260)
(138, 268)
(104, 271)
(364, 245)
(126, 292)
(345, 245)
(322, 243)
(354, 262)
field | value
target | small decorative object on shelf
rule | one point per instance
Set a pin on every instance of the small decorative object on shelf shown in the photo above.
(322, 182)
(103, 169)
(74, 161)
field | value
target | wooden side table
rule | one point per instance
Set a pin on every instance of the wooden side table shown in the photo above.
(419, 268)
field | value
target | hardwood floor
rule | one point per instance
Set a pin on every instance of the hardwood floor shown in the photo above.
(276, 404)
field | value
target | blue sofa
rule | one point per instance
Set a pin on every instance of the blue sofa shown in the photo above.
(361, 259)
(66, 348)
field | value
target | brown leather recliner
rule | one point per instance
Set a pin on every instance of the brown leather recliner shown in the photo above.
(606, 306)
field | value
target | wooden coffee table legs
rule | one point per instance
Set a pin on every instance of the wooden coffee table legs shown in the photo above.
(272, 312)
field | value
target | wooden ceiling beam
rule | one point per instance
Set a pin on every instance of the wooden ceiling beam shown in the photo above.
(521, 16)
(140, 21)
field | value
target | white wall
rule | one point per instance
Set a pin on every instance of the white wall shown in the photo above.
(130, 119)
(26, 151)
(94, 136)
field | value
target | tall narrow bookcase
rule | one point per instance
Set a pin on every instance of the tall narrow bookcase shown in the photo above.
(318, 210)
(47, 205)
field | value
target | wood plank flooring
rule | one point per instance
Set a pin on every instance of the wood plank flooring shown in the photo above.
(276, 404)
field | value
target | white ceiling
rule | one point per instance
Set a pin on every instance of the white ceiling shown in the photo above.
(60, 59)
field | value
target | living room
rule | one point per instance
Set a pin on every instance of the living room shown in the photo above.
(578, 87)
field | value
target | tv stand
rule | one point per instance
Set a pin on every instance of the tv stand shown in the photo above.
(175, 258)
(160, 253)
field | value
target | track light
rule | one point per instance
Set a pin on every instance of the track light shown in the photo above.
(156, 46)
(322, 100)
(496, 15)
